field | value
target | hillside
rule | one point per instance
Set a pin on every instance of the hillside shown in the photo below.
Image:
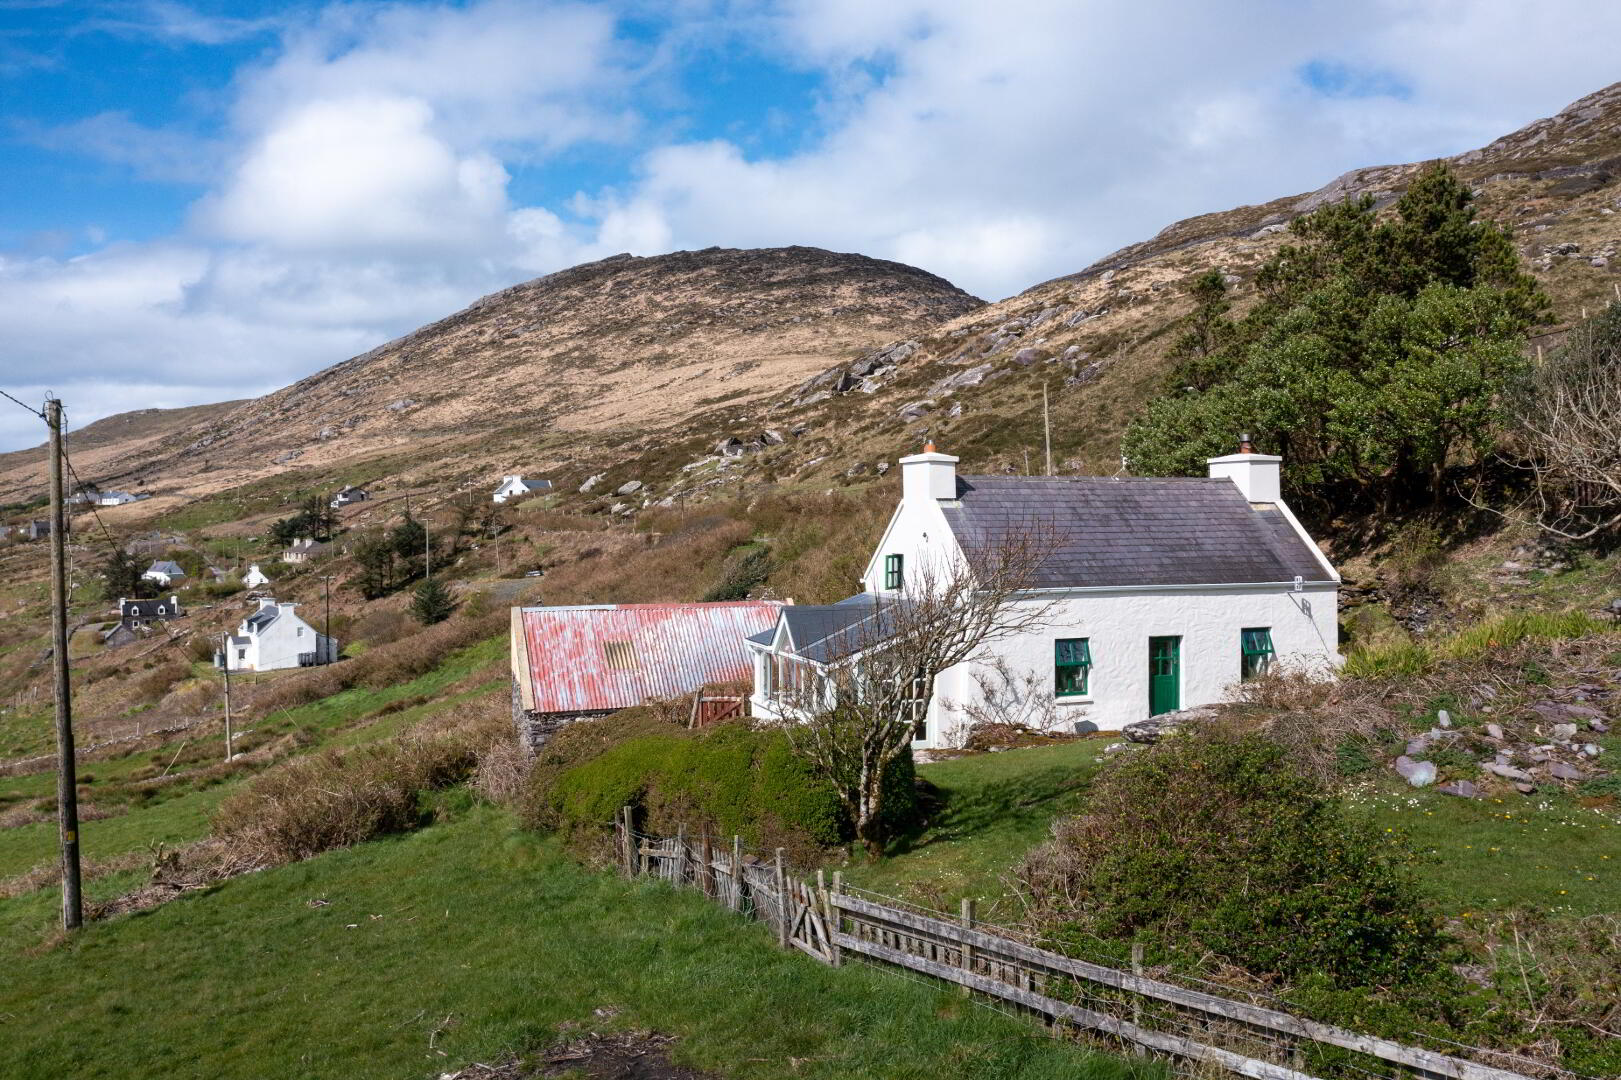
(624, 342)
(640, 368)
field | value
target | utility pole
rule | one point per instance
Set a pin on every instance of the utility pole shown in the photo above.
(427, 550)
(1046, 427)
(67, 784)
(326, 623)
(225, 664)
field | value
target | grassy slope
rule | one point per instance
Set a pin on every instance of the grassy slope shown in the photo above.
(185, 817)
(1548, 852)
(997, 806)
(495, 939)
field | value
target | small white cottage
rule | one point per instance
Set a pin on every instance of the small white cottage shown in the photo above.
(164, 572)
(514, 486)
(275, 637)
(255, 577)
(1166, 592)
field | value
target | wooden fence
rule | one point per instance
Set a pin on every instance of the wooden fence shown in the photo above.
(834, 923)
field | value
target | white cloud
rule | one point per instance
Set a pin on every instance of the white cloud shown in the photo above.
(361, 185)
(360, 174)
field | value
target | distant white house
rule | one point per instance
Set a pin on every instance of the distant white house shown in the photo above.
(272, 638)
(304, 549)
(117, 498)
(514, 486)
(164, 572)
(255, 577)
(348, 495)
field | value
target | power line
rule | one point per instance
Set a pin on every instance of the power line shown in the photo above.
(37, 412)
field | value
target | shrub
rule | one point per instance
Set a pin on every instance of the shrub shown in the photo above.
(1216, 843)
(729, 779)
(339, 797)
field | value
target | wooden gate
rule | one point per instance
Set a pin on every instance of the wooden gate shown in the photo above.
(807, 921)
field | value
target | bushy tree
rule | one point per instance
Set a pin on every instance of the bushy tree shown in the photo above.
(431, 602)
(1378, 352)
(409, 539)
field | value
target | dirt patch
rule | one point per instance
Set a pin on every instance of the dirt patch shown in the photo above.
(631, 1055)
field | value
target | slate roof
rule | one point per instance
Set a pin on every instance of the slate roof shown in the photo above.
(262, 618)
(164, 566)
(1134, 531)
(824, 633)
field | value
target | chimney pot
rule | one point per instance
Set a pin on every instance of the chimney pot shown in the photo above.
(1245, 446)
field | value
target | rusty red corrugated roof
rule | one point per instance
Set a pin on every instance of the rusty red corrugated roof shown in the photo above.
(613, 656)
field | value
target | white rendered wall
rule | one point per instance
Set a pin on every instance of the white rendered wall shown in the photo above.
(1118, 625)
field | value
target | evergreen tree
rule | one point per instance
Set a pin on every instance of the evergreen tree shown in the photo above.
(374, 553)
(409, 538)
(121, 574)
(1378, 353)
(431, 602)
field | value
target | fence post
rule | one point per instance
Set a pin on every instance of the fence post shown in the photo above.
(1137, 970)
(681, 854)
(966, 917)
(706, 873)
(781, 880)
(628, 836)
(835, 954)
(736, 898)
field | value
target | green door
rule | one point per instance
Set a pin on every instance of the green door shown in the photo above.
(1164, 675)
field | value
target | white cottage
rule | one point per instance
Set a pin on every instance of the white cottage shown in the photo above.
(1166, 593)
(275, 637)
(514, 486)
(164, 572)
(255, 577)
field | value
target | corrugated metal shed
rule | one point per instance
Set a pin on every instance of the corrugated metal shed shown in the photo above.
(613, 656)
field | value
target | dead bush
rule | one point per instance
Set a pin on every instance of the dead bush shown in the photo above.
(503, 771)
(337, 798)
(160, 680)
(382, 626)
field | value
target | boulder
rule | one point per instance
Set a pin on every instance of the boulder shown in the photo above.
(1599, 726)
(1443, 719)
(1507, 772)
(1526, 788)
(1417, 773)
(1560, 771)
(915, 410)
(1026, 357)
(1461, 788)
(585, 488)
(629, 487)
(1156, 728)
(1493, 731)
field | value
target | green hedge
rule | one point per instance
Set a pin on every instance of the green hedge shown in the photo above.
(729, 779)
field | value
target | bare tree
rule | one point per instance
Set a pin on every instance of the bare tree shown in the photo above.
(1006, 696)
(1569, 415)
(854, 707)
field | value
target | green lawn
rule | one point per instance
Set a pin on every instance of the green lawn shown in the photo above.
(1546, 851)
(348, 964)
(997, 806)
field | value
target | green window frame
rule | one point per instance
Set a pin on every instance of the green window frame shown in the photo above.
(894, 571)
(1255, 649)
(1072, 666)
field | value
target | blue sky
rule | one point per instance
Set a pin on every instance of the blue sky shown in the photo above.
(210, 200)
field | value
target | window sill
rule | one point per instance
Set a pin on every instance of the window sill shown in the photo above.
(1075, 699)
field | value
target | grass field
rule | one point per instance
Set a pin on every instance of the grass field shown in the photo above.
(410, 956)
(183, 815)
(997, 806)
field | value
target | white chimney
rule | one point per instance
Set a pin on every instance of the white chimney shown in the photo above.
(929, 475)
(1257, 475)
